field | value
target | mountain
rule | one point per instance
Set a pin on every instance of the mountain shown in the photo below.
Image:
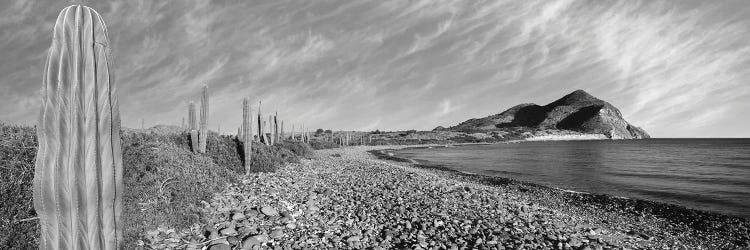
(578, 111)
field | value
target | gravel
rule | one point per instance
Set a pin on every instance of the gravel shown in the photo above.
(347, 198)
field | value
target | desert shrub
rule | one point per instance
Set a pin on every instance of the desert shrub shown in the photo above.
(165, 182)
(298, 148)
(17, 153)
(269, 158)
(320, 144)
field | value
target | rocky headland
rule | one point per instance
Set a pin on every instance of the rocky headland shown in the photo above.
(577, 112)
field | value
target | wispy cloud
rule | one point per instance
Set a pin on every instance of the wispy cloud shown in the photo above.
(405, 64)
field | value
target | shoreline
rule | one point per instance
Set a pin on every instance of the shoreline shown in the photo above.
(384, 154)
(697, 220)
(349, 198)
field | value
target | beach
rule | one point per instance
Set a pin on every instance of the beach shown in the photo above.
(349, 198)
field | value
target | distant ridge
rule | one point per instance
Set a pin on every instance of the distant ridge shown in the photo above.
(578, 111)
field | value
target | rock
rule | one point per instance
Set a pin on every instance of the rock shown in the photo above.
(250, 242)
(646, 236)
(574, 243)
(230, 231)
(238, 216)
(220, 246)
(551, 237)
(291, 226)
(277, 234)
(233, 240)
(269, 211)
(252, 213)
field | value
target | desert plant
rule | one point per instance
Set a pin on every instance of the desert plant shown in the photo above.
(246, 135)
(203, 134)
(192, 122)
(78, 175)
(276, 127)
(270, 129)
(260, 124)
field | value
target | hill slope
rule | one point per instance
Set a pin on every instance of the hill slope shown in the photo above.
(578, 111)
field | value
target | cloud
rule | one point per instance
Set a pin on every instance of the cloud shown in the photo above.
(404, 64)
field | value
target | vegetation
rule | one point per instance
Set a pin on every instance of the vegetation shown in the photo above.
(321, 144)
(18, 228)
(164, 180)
(77, 184)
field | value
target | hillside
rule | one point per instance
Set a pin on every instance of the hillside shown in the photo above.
(165, 182)
(578, 111)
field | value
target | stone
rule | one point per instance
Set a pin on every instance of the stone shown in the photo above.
(354, 238)
(269, 211)
(220, 246)
(230, 231)
(238, 216)
(277, 234)
(574, 243)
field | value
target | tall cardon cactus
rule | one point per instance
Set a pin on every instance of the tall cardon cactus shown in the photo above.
(203, 133)
(193, 127)
(192, 121)
(276, 127)
(247, 140)
(78, 174)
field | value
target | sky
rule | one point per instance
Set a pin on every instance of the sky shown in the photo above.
(674, 68)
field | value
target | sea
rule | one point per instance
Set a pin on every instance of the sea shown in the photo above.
(705, 174)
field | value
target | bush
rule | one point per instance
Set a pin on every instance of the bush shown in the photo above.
(319, 144)
(164, 180)
(298, 148)
(17, 153)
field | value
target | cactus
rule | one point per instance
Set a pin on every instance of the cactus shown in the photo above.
(203, 134)
(260, 124)
(281, 134)
(192, 122)
(276, 127)
(270, 129)
(78, 171)
(247, 140)
(192, 125)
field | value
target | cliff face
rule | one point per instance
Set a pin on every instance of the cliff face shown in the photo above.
(578, 111)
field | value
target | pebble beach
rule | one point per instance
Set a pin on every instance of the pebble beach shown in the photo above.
(348, 198)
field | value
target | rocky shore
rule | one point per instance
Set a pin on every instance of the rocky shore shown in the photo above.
(348, 198)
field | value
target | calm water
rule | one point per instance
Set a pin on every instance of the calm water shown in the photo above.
(706, 174)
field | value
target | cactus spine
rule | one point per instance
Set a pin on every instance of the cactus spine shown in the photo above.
(78, 171)
(203, 134)
(247, 140)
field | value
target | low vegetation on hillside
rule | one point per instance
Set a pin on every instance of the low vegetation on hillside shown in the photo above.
(164, 180)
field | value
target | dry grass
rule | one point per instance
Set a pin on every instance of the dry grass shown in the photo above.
(164, 180)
